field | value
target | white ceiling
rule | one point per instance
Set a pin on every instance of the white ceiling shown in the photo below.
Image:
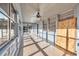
(46, 10)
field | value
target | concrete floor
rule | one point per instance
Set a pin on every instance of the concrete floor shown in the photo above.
(34, 46)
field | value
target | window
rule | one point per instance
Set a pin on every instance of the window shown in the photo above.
(7, 25)
(44, 30)
(4, 28)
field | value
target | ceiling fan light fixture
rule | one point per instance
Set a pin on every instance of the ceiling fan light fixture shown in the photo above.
(38, 15)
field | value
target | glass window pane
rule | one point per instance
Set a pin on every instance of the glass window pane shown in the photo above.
(4, 28)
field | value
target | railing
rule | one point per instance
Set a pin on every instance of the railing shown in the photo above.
(11, 48)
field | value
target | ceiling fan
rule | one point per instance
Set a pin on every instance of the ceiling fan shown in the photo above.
(38, 12)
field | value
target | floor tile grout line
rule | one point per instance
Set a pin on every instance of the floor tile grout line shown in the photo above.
(39, 47)
(38, 51)
(32, 43)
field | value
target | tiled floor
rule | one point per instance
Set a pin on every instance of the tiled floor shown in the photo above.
(34, 46)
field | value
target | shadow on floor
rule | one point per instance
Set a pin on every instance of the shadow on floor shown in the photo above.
(39, 48)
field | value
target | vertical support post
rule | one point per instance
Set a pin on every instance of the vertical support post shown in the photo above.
(47, 29)
(2, 32)
(57, 18)
(9, 22)
(37, 29)
(9, 28)
(42, 28)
